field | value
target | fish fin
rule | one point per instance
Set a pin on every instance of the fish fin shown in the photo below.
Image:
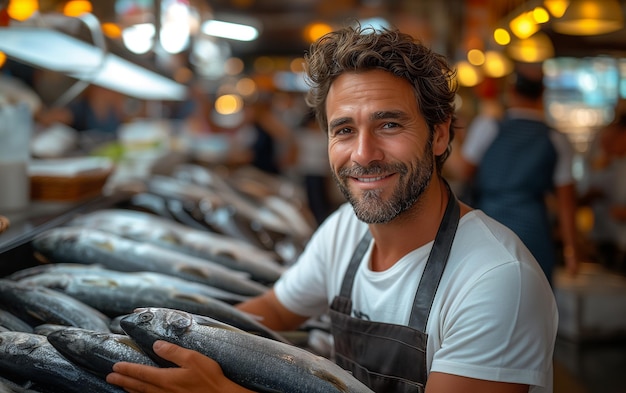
(204, 320)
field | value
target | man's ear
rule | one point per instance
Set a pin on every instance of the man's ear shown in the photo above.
(441, 139)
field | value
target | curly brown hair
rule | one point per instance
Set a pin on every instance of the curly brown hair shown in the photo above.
(356, 48)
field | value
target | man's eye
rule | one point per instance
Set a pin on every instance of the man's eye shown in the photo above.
(391, 125)
(343, 131)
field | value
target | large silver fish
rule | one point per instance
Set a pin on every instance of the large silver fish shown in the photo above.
(64, 276)
(261, 264)
(97, 351)
(11, 322)
(93, 246)
(36, 305)
(254, 362)
(116, 294)
(32, 357)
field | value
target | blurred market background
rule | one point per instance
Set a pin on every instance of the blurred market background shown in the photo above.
(220, 83)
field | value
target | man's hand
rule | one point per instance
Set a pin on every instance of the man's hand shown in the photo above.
(196, 373)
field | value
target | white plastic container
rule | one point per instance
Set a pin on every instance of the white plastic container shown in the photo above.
(16, 124)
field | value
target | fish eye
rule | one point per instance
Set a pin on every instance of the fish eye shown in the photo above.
(146, 317)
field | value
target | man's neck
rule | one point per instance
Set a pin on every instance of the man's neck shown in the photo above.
(413, 229)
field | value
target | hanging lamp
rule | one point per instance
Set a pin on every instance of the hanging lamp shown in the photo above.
(533, 49)
(590, 17)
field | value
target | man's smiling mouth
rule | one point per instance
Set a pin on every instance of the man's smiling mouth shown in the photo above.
(370, 179)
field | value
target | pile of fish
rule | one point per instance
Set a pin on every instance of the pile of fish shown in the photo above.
(247, 204)
(171, 267)
(61, 358)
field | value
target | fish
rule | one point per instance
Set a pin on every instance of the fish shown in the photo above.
(254, 362)
(224, 210)
(31, 357)
(9, 386)
(46, 328)
(68, 277)
(97, 352)
(72, 244)
(11, 322)
(36, 305)
(114, 293)
(262, 265)
(219, 194)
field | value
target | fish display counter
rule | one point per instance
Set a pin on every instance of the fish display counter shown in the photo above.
(23, 225)
(190, 245)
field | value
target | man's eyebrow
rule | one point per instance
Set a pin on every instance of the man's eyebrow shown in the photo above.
(388, 115)
(339, 121)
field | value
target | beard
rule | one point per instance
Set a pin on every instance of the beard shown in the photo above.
(370, 207)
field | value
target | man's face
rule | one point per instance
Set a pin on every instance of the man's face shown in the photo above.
(380, 148)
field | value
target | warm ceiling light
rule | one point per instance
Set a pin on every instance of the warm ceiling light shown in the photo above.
(524, 25)
(246, 87)
(74, 8)
(22, 9)
(534, 49)
(476, 57)
(316, 30)
(540, 15)
(228, 104)
(467, 75)
(587, 17)
(501, 36)
(111, 30)
(556, 7)
(497, 64)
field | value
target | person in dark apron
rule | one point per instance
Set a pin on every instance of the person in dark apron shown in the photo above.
(388, 357)
(387, 105)
(524, 163)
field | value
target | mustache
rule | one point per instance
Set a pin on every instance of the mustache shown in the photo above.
(373, 169)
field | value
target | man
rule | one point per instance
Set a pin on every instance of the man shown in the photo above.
(482, 317)
(515, 163)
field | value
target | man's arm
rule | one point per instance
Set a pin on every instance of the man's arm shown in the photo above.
(566, 210)
(271, 312)
(448, 383)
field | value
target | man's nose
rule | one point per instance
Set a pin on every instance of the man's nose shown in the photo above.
(368, 149)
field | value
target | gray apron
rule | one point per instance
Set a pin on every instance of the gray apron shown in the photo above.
(389, 357)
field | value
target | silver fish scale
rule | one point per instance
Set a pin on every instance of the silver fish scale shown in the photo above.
(97, 351)
(31, 356)
(92, 246)
(38, 305)
(252, 361)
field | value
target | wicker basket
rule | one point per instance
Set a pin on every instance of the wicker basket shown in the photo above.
(68, 189)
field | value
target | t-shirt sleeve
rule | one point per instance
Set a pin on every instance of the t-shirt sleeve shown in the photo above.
(480, 134)
(305, 288)
(513, 346)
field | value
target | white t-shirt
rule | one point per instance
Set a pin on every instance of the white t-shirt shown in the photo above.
(494, 316)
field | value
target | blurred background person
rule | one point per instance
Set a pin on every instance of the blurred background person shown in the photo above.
(274, 149)
(515, 164)
(312, 166)
(95, 109)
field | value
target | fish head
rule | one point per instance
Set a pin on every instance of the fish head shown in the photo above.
(146, 325)
(160, 323)
(17, 342)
